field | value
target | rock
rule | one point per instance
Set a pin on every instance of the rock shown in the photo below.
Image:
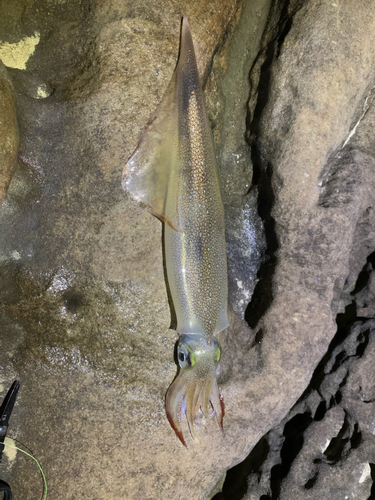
(325, 444)
(9, 136)
(366, 296)
(87, 310)
(245, 249)
(301, 130)
(338, 448)
(83, 292)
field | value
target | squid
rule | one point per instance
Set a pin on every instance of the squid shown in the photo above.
(173, 174)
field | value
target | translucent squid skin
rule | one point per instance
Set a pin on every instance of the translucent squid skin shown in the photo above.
(173, 172)
(196, 256)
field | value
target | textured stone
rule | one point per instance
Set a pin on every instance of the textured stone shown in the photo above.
(302, 127)
(314, 143)
(325, 445)
(9, 136)
(245, 251)
(83, 295)
(84, 310)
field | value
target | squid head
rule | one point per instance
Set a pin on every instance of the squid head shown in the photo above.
(195, 388)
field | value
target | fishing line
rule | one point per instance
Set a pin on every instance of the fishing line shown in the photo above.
(38, 464)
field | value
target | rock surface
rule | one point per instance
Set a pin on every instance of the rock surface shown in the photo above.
(85, 312)
(9, 136)
(325, 447)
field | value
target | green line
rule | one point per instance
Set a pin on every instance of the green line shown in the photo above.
(38, 464)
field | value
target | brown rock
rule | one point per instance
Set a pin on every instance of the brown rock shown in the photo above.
(9, 137)
(87, 321)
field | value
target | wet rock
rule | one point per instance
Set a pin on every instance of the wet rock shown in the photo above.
(246, 247)
(9, 135)
(87, 308)
(82, 281)
(318, 156)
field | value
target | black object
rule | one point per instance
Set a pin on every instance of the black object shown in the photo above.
(5, 412)
(6, 489)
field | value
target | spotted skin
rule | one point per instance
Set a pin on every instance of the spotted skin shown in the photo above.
(196, 255)
(180, 185)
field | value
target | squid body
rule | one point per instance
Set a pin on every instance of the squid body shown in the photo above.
(173, 172)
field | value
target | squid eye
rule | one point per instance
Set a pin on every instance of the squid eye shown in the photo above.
(181, 357)
(185, 356)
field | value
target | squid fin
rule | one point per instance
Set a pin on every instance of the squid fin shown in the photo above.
(150, 170)
(153, 173)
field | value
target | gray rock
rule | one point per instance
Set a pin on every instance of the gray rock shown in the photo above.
(324, 450)
(246, 247)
